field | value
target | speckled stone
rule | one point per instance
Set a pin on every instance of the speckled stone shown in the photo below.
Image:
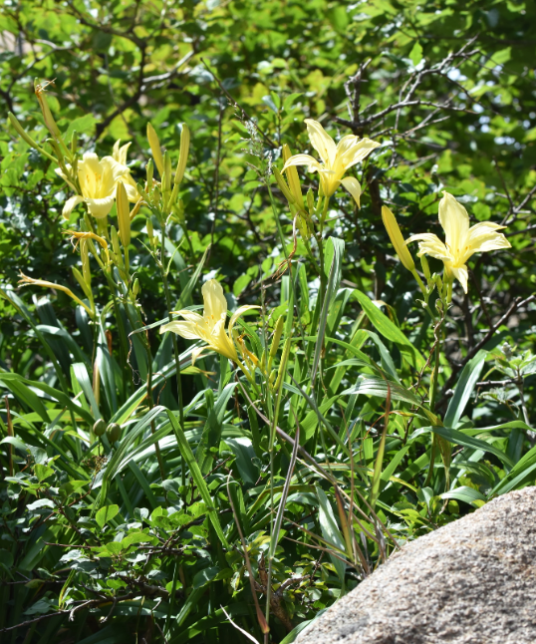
(470, 582)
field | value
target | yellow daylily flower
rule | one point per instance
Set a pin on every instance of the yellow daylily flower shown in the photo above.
(98, 180)
(460, 241)
(119, 154)
(210, 327)
(336, 159)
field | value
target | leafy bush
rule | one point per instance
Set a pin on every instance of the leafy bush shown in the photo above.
(231, 387)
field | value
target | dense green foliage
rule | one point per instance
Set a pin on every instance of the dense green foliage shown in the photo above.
(383, 413)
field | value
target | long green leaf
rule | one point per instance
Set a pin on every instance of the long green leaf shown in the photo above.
(195, 472)
(464, 388)
(389, 330)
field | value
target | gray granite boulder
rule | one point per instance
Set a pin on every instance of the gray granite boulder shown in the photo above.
(470, 582)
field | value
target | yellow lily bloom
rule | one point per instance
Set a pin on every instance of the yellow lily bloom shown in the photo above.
(98, 180)
(460, 241)
(336, 159)
(210, 327)
(119, 154)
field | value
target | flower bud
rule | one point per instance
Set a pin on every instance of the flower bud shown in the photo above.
(154, 142)
(45, 109)
(425, 267)
(183, 157)
(310, 202)
(115, 245)
(150, 230)
(283, 186)
(150, 173)
(166, 175)
(398, 241)
(278, 332)
(123, 214)
(293, 178)
(136, 288)
(86, 267)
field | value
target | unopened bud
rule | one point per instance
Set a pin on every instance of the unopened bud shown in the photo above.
(84, 256)
(425, 267)
(310, 201)
(293, 178)
(45, 109)
(136, 288)
(166, 175)
(150, 173)
(283, 186)
(123, 214)
(154, 142)
(183, 156)
(278, 332)
(398, 241)
(150, 230)
(115, 245)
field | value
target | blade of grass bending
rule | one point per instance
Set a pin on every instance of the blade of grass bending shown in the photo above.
(189, 457)
(260, 617)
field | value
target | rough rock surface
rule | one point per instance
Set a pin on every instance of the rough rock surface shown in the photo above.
(470, 582)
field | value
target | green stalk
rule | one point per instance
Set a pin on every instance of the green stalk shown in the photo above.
(173, 336)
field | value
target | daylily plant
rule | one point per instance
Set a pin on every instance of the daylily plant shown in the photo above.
(460, 241)
(336, 159)
(210, 327)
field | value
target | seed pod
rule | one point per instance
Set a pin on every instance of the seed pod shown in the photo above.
(99, 427)
(113, 432)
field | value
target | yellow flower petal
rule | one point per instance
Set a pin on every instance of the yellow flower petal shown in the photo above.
(431, 245)
(187, 330)
(354, 188)
(99, 208)
(455, 222)
(321, 141)
(303, 159)
(461, 274)
(70, 204)
(214, 301)
(357, 152)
